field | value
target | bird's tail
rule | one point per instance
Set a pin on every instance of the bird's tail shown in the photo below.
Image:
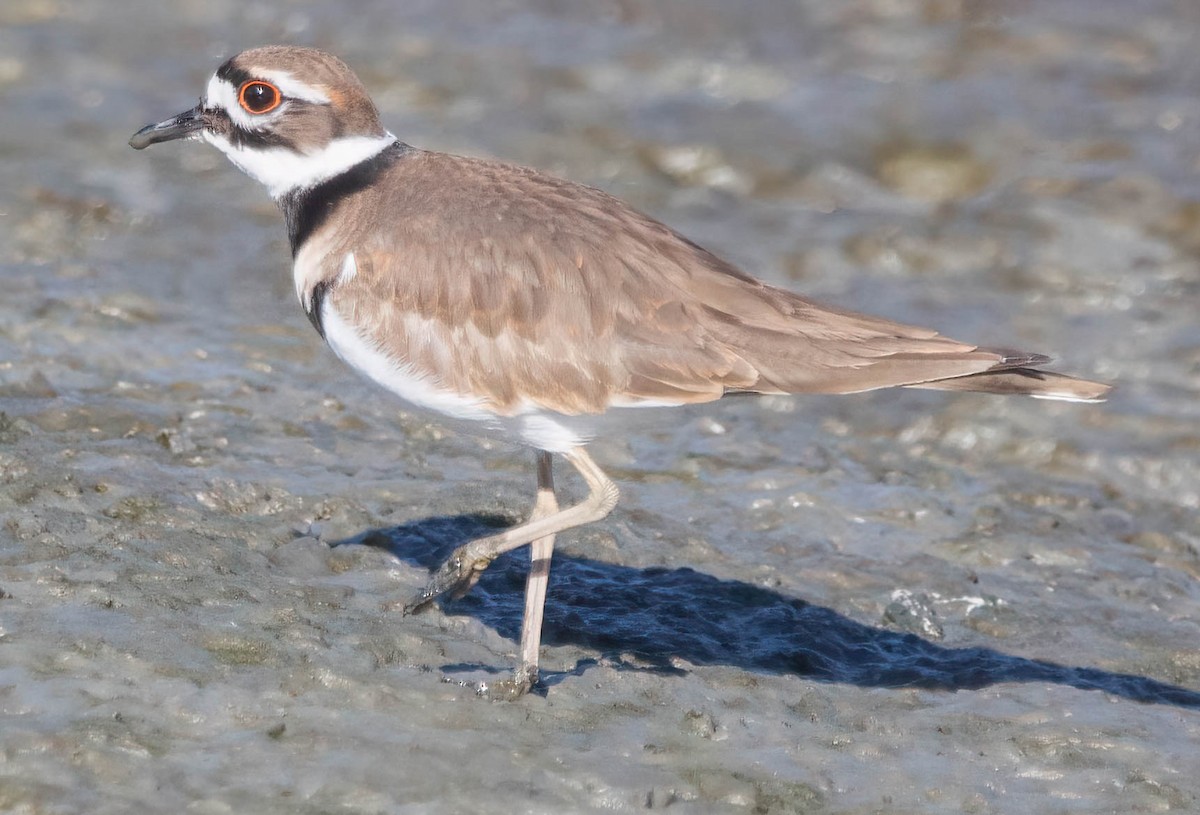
(1023, 379)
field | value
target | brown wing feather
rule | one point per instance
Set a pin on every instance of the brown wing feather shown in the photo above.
(534, 290)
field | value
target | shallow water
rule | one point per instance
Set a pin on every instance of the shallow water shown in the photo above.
(900, 602)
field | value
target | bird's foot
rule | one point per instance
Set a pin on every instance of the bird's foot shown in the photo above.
(455, 577)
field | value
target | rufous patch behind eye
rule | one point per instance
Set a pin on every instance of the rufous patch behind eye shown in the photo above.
(256, 96)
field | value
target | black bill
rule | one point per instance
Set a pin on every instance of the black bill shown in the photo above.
(177, 127)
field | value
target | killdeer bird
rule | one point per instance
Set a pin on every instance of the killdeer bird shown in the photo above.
(525, 306)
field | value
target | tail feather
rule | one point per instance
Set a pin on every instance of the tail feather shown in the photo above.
(1008, 358)
(1024, 381)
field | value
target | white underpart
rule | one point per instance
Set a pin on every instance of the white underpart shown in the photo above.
(349, 269)
(552, 432)
(397, 376)
(635, 402)
(309, 267)
(542, 429)
(282, 170)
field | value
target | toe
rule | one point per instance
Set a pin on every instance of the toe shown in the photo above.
(455, 577)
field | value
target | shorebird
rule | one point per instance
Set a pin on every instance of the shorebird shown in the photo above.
(525, 307)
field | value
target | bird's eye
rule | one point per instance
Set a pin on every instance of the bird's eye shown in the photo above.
(257, 96)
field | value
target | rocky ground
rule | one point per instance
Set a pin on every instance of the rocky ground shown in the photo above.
(896, 602)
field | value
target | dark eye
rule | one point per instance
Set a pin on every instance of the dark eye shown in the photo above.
(257, 96)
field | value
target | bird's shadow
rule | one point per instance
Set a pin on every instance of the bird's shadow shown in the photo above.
(663, 615)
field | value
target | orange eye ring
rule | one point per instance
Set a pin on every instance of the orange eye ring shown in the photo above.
(258, 97)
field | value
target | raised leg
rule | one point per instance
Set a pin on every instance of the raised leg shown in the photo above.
(466, 564)
(463, 568)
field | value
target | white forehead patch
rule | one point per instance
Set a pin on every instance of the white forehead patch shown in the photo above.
(221, 94)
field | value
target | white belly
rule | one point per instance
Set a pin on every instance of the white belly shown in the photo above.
(545, 430)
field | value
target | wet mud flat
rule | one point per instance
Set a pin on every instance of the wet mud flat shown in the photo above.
(896, 602)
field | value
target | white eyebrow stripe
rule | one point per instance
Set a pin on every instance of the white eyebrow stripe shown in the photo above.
(291, 87)
(222, 94)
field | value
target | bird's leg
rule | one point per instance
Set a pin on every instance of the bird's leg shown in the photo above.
(540, 552)
(465, 565)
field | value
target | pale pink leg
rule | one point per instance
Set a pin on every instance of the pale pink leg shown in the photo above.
(540, 552)
(461, 571)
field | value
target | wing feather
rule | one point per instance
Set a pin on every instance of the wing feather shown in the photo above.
(529, 291)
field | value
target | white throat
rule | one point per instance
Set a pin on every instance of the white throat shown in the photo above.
(282, 170)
